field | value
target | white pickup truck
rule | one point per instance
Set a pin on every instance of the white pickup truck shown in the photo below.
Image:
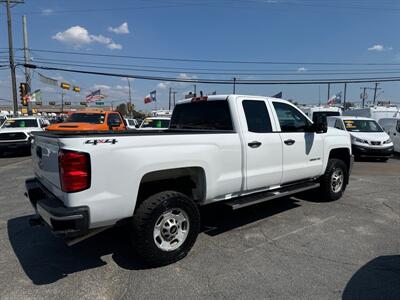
(238, 149)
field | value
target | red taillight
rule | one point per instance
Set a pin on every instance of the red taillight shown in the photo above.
(74, 170)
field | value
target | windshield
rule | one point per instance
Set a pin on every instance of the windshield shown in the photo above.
(94, 118)
(20, 123)
(323, 114)
(155, 123)
(362, 126)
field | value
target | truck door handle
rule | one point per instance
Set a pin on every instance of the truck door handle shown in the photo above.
(254, 144)
(289, 142)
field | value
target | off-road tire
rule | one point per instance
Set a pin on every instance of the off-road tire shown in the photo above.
(144, 221)
(326, 191)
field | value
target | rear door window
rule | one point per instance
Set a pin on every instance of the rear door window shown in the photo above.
(257, 116)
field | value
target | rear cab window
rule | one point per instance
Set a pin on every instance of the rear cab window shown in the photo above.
(323, 115)
(20, 123)
(202, 115)
(93, 118)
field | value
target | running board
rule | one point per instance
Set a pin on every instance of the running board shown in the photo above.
(270, 195)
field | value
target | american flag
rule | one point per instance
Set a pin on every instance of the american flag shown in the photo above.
(94, 96)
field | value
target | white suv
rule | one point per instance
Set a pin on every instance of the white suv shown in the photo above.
(15, 133)
(368, 139)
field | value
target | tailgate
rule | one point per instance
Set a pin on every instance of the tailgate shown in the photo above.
(45, 162)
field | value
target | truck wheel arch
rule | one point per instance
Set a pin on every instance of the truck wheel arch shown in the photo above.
(190, 181)
(342, 154)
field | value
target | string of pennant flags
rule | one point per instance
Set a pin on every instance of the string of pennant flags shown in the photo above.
(91, 97)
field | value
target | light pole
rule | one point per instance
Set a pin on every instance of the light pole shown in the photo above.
(130, 97)
(11, 55)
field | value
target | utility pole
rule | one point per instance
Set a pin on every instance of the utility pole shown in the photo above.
(319, 95)
(174, 93)
(329, 90)
(375, 89)
(234, 85)
(169, 99)
(344, 96)
(130, 96)
(363, 97)
(26, 58)
(62, 102)
(11, 55)
(194, 91)
(369, 88)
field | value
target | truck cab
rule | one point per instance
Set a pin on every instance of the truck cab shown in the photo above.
(91, 121)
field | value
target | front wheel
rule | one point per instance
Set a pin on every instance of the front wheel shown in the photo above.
(334, 181)
(165, 227)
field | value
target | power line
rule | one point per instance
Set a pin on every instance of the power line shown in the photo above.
(235, 5)
(221, 73)
(194, 70)
(218, 61)
(221, 81)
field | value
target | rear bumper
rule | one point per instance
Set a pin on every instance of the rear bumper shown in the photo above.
(372, 152)
(63, 221)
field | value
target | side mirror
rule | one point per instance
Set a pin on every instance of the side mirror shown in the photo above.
(44, 125)
(137, 125)
(320, 125)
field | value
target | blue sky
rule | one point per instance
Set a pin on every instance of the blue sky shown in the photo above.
(303, 31)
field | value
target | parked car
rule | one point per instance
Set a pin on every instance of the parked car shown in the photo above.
(239, 150)
(392, 128)
(368, 139)
(3, 118)
(155, 123)
(91, 121)
(131, 123)
(16, 133)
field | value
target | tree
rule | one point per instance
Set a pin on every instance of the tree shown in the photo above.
(122, 109)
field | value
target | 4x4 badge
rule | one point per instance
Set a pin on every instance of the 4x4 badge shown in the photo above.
(101, 141)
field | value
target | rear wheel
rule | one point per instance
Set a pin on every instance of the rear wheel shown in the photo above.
(334, 181)
(165, 227)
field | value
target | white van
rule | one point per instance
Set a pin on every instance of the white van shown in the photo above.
(392, 128)
(376, 112)
(368, 139)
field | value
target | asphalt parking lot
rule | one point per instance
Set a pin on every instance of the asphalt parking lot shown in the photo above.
(286, 248)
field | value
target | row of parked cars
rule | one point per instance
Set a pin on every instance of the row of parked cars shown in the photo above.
(16, 133)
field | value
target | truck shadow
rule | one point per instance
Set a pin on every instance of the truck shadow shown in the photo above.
(218, 218)
(46, 259)
(378, 279)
